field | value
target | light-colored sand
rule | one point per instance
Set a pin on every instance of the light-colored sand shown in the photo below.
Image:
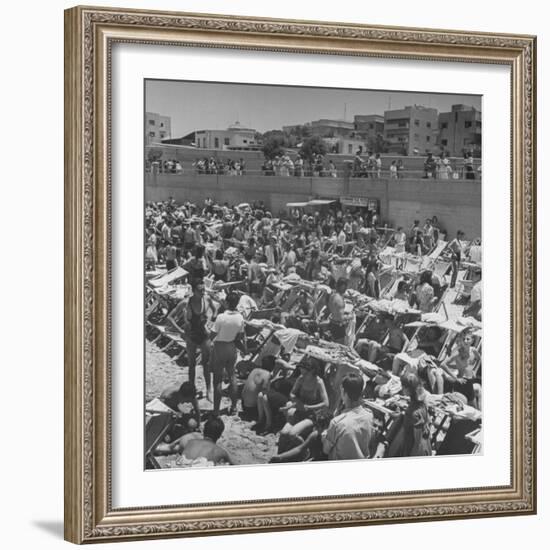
(243, 445)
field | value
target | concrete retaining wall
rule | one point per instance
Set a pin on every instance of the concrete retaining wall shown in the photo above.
(457, 203)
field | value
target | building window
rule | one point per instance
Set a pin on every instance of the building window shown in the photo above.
(468, 124)
(428, 124)
(444, 142)
(444, 125)
(245, 141)
(151, 122)
(226, 141)
(151, 134)
(416, 122)
(402, 124)
(162, 124)
(350, 149)
(371, 126)
(427, 138)
(216, 143)
(162, 134)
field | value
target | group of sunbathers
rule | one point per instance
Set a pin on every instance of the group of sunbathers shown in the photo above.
(316, 412)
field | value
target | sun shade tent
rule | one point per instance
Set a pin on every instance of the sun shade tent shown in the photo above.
(296, 204)
(321, 202)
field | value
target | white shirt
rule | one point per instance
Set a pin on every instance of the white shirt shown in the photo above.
(475, 253)
(228, 326)
(477, 292)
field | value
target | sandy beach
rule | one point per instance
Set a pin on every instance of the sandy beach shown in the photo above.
(241, 442)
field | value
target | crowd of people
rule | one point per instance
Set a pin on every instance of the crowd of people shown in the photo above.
(324, 328)
(213, 165)
(441, 168)
(364, 165)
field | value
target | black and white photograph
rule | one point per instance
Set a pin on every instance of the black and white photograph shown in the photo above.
(312, 274)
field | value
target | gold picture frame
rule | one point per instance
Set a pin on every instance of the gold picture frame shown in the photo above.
(89, 36)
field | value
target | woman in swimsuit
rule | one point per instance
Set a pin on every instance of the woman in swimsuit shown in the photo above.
(308, 397)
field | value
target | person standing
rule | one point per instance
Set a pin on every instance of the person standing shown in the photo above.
(378, 165)
(469, 166)
(338, 318)
(273, 252)
(196, 313)
(456, 248)
(393, 170)
(350, 435)
(228, 329)
(196, 266)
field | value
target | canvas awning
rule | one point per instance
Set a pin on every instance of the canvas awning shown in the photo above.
(296, 204)
(321, 202)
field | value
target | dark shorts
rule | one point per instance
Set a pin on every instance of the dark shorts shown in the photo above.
(466, 389)
(249, 413)
(223, 359)
(337, 330)
(276, 400)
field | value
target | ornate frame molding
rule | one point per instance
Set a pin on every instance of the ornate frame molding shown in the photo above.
(89, 34)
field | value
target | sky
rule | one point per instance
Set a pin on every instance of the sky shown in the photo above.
(214, 106)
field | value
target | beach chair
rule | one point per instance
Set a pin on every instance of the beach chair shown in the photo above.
(440, 267)
(167, 278)
(156, 427)
(413, 264)
(386, 278)
(436, 252)
(152, 302)
(475, 437)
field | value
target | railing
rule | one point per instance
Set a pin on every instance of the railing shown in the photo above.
(460, 174)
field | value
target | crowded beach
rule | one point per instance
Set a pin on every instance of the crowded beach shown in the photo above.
(320, 333)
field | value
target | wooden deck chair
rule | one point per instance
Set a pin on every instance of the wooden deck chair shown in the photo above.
(386, 277)
(412, 264)
(440, 267)
(348, 248)
(263, 313)
(441, 422)
(167, 278)
(476, 437)
(152, 302)
(436, 252)
(156, 427)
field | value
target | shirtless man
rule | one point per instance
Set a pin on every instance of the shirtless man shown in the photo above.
(395, 341)
(256, 382)
(192, 446)
(459, 369)
(338, 318)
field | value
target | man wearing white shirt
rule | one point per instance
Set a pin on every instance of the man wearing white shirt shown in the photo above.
(227, 330)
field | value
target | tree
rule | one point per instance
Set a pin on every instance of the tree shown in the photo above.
(274, 145)
(154, 154)
(313, 146)
(378, 144)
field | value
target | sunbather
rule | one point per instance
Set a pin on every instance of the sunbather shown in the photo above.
(194, 447)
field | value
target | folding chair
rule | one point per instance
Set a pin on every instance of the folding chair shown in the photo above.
(156, 427)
